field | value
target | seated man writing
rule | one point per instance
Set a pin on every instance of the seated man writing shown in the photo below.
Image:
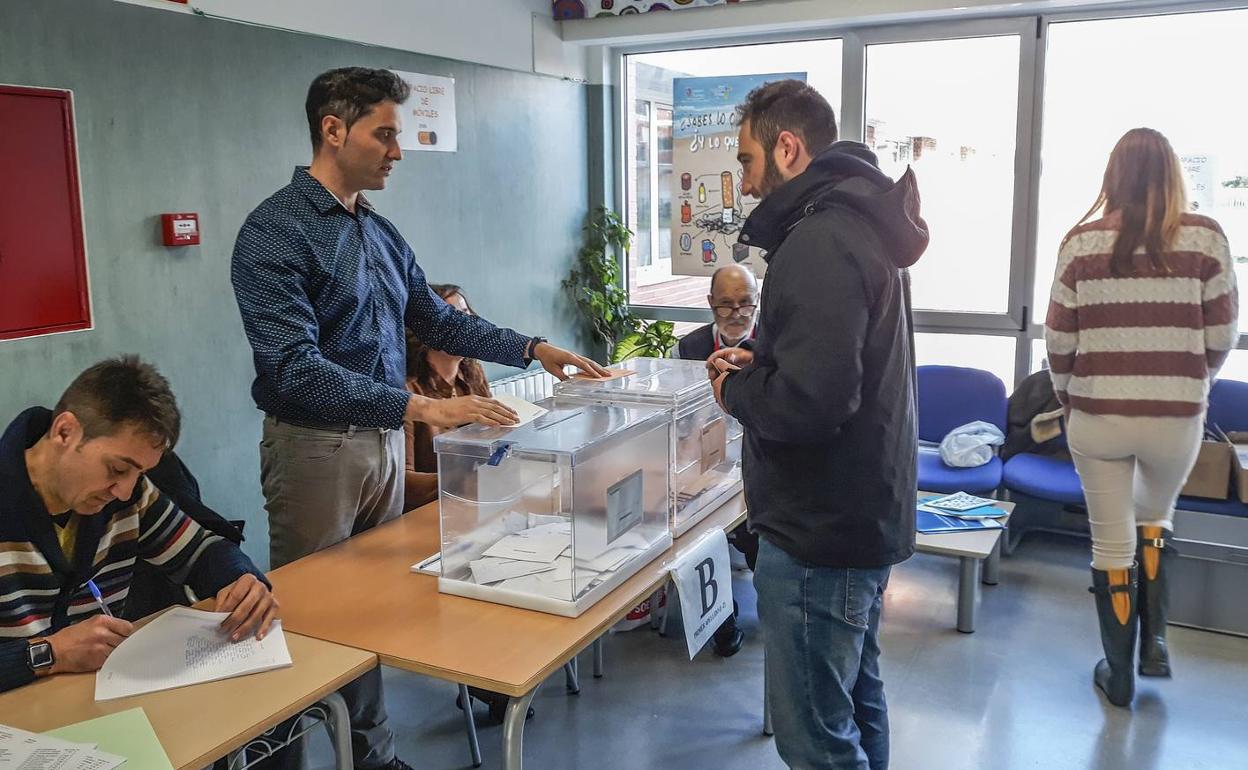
(734, 300)
(75, 506)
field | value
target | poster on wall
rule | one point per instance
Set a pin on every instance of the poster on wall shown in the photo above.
(580, 9)
(429, 114)
(707, 207)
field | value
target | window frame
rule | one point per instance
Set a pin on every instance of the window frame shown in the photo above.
(1032, 30)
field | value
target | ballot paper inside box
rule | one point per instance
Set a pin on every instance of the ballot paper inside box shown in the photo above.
(705, 442)
(554, 514)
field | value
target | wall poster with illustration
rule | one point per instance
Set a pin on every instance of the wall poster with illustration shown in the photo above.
(707, 207)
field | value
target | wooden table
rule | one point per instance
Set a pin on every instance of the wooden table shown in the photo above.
(979, 556)
(361, 593)
(200, 724)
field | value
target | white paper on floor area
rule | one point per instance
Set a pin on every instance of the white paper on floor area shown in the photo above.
(182, 647)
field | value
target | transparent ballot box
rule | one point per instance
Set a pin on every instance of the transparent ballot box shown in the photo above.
(554, 514)
(705, 442)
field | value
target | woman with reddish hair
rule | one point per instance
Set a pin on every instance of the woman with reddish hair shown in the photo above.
(1141, 317)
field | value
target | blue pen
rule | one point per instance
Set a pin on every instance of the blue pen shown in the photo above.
(95, 591)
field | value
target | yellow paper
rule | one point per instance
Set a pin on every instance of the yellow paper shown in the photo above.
(127, 734)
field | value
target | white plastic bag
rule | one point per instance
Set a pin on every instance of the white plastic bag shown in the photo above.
(970, 445)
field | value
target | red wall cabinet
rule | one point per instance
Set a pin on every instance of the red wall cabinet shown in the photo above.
(43, 265)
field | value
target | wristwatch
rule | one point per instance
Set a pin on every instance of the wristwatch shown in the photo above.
(39, 656)
(529, 354)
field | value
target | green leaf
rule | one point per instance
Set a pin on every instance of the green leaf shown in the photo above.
(629, 346)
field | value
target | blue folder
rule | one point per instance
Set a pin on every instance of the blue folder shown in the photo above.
(930, 523)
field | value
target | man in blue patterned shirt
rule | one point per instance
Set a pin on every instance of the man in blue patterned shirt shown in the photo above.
(325, 286)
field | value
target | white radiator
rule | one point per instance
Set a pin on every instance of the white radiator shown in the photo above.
(531, 386)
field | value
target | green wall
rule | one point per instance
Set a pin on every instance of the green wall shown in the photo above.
(182, 113)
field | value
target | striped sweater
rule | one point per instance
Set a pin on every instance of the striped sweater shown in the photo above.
(41, 591)
(1146, 345)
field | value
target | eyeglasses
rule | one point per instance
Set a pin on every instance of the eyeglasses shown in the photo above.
(727, 311)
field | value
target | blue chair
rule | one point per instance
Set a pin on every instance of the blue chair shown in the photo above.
(1054, 480)
(951, 396)
(1047, 495)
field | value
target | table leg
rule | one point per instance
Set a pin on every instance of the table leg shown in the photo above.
(513, 730)
(470, 725)
(572, 677)
(599, 667)
(968, 593)
(654, 610)
(992, 564)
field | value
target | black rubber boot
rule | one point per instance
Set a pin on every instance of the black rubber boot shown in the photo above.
(1115, 674)
(1154, 555)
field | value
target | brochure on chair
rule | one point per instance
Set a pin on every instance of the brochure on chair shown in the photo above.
(930, 523)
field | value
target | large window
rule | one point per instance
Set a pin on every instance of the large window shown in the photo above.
(1180, 74)
(1007, 124)
(651, 280)
(926, 109)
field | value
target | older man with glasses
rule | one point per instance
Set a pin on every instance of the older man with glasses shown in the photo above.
(734, 299)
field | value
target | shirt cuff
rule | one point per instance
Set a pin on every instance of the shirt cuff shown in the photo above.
(525, 342)
(14, 665)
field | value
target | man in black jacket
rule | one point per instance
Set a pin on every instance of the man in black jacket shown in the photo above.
(827, 402)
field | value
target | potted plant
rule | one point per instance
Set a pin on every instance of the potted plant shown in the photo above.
(595, 285)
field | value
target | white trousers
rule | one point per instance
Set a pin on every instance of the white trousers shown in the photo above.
(1131, 469)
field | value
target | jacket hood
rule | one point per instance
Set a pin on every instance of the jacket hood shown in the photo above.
(846, 175)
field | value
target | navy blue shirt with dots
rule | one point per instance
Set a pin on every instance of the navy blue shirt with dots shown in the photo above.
(324, 295)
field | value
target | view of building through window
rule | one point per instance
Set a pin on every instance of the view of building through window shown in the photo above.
(926, 109)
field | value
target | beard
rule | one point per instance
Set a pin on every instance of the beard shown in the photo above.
(771, 177)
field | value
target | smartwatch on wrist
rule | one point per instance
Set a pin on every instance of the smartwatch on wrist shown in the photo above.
(39, 656)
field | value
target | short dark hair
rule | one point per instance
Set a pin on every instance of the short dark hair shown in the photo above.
(350, 93)
(123, 391)
(788, 105)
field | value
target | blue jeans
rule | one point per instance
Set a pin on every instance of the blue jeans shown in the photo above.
(821, 629)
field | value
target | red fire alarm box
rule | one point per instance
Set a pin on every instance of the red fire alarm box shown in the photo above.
(180, 229)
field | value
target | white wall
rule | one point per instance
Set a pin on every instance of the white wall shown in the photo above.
(499, 33)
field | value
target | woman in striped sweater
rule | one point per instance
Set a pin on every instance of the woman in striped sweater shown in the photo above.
(1142, 315)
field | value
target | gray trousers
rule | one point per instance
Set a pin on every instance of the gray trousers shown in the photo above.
(321, 487)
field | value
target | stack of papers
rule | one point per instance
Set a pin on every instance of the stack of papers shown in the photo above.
(537, 560)
(963, 506)
(959, 502)
(20, 750)
(932, 523)
(185, 646)
(532, 560)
